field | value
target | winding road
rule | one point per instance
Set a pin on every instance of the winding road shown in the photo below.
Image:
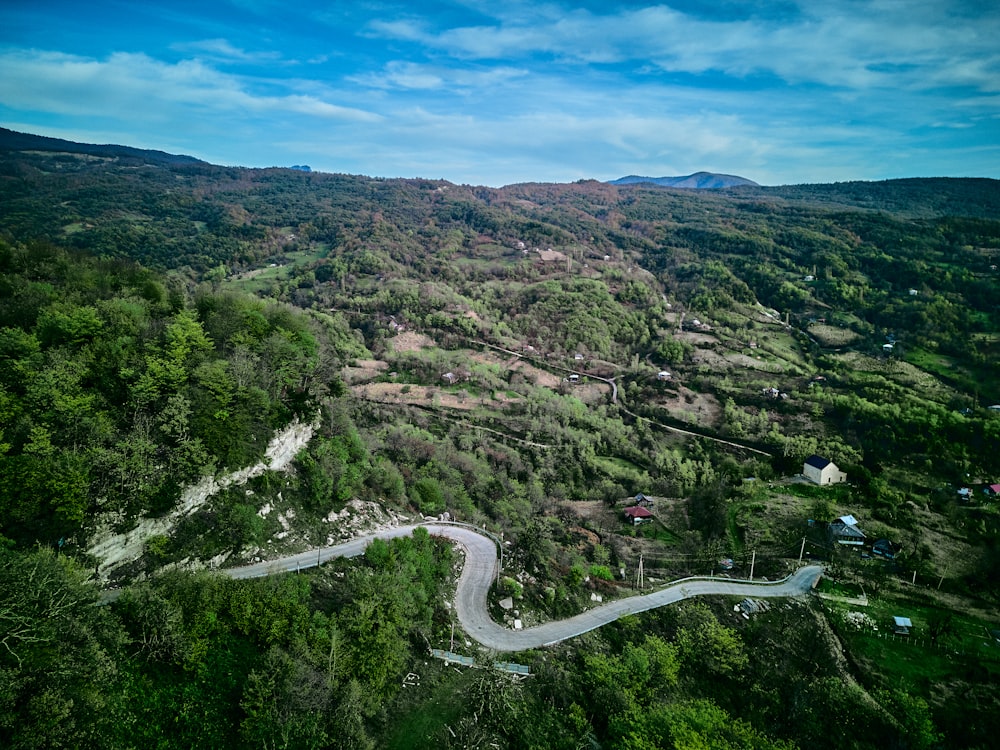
(480, 570)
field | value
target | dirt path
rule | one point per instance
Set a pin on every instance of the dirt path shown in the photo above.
(697, 434)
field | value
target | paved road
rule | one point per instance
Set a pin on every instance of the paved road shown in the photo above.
(481, 568)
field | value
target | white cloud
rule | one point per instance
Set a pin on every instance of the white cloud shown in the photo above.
(400, 74)
(221, 50)
(861, 44)
(136, 87)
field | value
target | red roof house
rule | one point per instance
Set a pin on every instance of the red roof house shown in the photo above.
(638, 515)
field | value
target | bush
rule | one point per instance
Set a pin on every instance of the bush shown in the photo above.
(512, 587)
(601, 572)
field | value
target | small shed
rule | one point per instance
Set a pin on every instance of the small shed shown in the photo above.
(637, 515)
(663, 375)
(885, 548)
(642, 500)
(901, 625)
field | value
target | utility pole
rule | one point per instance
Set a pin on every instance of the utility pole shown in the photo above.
(941, 579)
(802, 549)
(642, 581)
(753, 561)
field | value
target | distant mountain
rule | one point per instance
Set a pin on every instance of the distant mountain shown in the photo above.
(301, 167)
(696, 181)
(11, 140)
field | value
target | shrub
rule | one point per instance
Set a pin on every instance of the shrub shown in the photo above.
(602, 572)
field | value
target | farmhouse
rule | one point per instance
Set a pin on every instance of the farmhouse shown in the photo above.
(845, 531)
(637, 515)
(822, 471)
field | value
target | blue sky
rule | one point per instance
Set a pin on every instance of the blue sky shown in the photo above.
(492, 93)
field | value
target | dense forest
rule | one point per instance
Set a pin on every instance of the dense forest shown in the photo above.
(526, 360)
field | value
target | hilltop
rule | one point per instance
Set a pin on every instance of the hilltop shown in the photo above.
(11, 140)
(696, 181)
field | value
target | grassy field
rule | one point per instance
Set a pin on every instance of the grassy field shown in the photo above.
(963, 376)
(785, 347)
(839, 588)
(259, 279)
(834, 336)
(621, 469)
(917, 660)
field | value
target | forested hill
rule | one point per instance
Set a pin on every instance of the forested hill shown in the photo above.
(117, 391)
(11, 140)
(528, 360)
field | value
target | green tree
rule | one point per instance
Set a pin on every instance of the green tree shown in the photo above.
(57, 657)
(288, 704)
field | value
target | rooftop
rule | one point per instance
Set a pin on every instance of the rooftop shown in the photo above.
(818, 462)
(637, 512)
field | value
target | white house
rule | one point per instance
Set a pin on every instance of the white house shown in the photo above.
(822, 471)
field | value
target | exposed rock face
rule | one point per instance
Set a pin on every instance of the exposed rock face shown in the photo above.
(115, 550)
